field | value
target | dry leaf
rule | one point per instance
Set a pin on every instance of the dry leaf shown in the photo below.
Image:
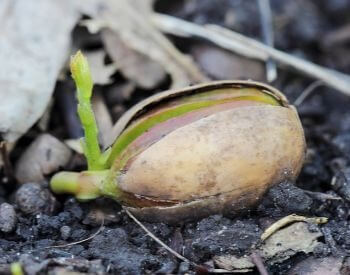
(103, 118)
(289, 241)
(75, 145)
(130, 20)
(280, 246)
(233, 263)
(134, 66)
(101, 73)
(45, 155)
(34, 46)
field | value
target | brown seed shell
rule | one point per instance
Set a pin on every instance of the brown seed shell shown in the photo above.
(223, 163)
(149, 102)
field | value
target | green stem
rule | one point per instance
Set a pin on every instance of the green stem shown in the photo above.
(83, 81)
(16, 269)
(85, 185)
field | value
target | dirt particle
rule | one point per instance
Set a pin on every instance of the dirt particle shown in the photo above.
(32, 198)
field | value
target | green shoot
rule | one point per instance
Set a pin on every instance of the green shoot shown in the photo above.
(16, 269)
(83, 81)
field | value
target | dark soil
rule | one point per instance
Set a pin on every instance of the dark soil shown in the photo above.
(34, 220)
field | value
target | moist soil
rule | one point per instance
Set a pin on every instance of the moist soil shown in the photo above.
(46, 223)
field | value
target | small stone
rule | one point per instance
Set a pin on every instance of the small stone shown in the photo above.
(65, 232)
(7, 217)
(45, 155)
(32, 198)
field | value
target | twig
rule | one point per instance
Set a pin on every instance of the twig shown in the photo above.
(81, 241)
(257, 260)
(268, 37)
(172, 251)
(251, 48)
(149, 233)
(309, 89)
(290, 219)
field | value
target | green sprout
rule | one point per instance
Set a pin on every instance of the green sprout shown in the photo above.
(88, 186)
(83, 81)
(16, 269)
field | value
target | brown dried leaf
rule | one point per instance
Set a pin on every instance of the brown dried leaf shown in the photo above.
(45, 155)
(280, 246)
(130, 20)
(101, 73)
(34, 47)
(233, 263)
(287, 242)
(135, 66)
(103, 118)
(75, 145)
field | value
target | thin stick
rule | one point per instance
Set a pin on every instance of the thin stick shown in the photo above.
(149, 233)
(258, 261)
(81, 241)
(309, 89)
(251, 48)
(268, 37)
(172, 251)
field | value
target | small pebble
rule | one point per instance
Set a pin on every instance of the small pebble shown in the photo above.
(7, 217)
(65, 232)
(32, 198)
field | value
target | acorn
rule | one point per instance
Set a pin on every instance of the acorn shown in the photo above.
(186, 154)
(190, 153)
